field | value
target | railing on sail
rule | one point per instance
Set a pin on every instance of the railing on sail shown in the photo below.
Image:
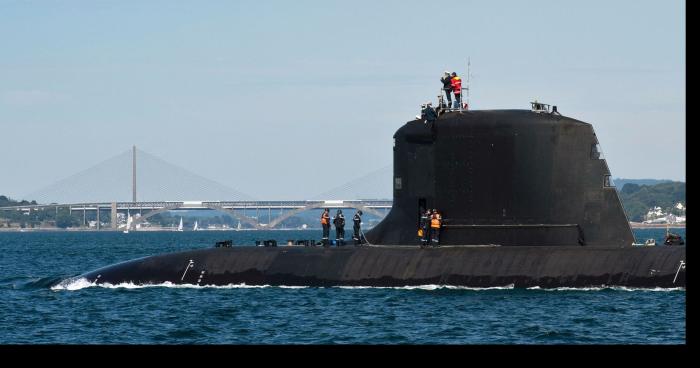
(462, 106)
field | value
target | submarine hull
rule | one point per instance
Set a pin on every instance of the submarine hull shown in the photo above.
(533, 186)
(467, 266)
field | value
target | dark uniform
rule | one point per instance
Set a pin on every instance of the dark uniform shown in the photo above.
(326, 223)
(356, 221)
(339, 222)
(424, 227)
(447, 87)
(429, 114)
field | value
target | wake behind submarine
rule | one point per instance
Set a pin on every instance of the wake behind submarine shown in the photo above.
(526, 198)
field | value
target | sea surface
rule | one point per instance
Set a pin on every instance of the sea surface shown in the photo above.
(34, 309)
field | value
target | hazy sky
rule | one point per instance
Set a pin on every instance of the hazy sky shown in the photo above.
(288, 99)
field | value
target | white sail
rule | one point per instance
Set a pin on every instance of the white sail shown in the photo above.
(196, 226)
(179, 227)
(128, 224)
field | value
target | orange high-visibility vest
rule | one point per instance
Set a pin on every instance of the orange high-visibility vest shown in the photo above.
(325, 219)
(457, 85)
(436, 221)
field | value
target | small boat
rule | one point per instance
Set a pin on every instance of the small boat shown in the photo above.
(673, 239)
(128, 224)
(196, 226)
(179, 227)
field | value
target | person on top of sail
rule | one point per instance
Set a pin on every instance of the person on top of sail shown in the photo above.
(428, 114)
(447, 87)
(457, 89)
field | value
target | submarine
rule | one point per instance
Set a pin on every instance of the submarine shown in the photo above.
(527, 201)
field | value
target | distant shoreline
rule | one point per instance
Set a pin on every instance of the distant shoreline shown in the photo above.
(633, 225)
(640, 225)
(108, 230)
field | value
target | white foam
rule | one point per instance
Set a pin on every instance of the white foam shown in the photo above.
(431, 287)
(606, 287)
(81, 283)
(73, 284)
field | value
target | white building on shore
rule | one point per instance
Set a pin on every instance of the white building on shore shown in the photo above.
(657, 216)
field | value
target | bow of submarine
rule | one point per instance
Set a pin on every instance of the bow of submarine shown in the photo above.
(155, 269)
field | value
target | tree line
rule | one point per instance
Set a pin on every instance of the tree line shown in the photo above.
(638, 199)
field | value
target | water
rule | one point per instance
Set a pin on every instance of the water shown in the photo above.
(33, 312)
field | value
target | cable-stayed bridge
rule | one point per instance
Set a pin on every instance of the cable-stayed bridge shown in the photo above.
(140, 175)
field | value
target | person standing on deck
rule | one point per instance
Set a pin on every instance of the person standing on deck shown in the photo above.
(424, 227)
(326, 224)
(356, 221)
(339, 222)
(435, 225)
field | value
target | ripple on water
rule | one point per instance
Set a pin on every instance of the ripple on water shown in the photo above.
(586, 321)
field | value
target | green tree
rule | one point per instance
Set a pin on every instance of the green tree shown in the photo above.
(638, 199)
(64, 220)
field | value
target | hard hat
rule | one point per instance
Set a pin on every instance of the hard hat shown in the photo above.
(447, 73)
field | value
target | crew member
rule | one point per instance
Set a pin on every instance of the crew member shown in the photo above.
(447, 87)
(356, 221)
(424, 227)
(326, 224)
(339, 222)
(457, 89)
(428, 113)
(435, 225)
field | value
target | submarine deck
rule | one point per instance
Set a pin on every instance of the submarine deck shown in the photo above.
(468, 265)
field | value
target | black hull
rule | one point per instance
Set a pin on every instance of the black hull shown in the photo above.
(533, 183)
(473, 266)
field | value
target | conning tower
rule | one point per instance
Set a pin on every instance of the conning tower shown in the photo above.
(505, 177)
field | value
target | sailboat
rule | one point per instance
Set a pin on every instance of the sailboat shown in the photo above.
(179, 227)
(128, 224)
(196, 226)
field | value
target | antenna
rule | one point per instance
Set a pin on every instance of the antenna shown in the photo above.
(468, 77)
(133, 174)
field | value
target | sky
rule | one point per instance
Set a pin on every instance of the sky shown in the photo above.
(285, 100)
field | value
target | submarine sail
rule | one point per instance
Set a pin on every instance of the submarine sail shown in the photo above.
(506, 177)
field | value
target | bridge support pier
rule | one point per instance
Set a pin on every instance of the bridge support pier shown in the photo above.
(114, 215)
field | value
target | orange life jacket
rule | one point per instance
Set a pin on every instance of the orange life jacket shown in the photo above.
(325, 219)
(436, 221)
(457, 85)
